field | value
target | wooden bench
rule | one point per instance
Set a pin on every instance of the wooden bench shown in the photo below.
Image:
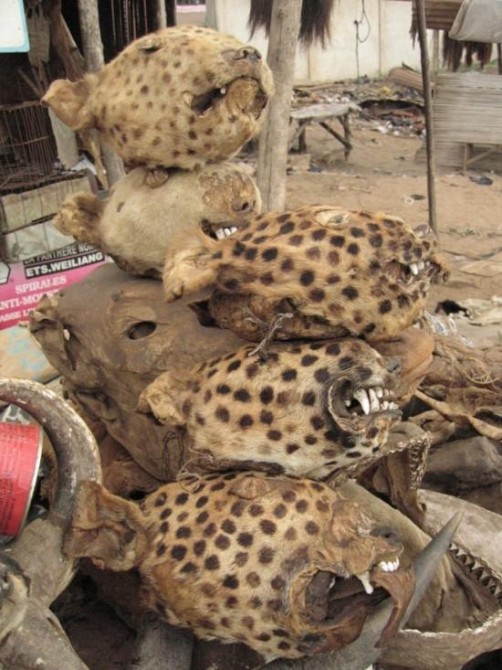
(322, 114)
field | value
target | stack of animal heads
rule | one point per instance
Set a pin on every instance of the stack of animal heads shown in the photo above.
(180, 97)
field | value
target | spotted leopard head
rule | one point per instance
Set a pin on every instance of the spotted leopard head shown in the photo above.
(179, 97)
(334, 272)
(287, 566)
(317, 410)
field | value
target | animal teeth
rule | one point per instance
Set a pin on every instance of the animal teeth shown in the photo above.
(348, 403)
(364, 578)
(374, 404)
(421, 265)
(389, 566)
(223, 90)
(393, 405)
(66, 334)
(332, 583)
(414, 268)
(221, 233)
(384, 405)
(363, 399)
(379, 391)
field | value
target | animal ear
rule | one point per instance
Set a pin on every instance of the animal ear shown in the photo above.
(164, 398)
(190, 264)
(332, 217)
(68, 101)
(79, 216)
(105, 528)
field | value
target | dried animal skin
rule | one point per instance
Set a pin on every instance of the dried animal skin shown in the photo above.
(334, 272)
(135, 224)
(317, 410)
(179, 97)
(271, 562)
(109, 336)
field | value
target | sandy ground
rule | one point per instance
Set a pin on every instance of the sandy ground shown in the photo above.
(382, 173)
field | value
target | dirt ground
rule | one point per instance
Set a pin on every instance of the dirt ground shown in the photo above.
(383, 173)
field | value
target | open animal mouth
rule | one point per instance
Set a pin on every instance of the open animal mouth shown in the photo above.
(407, 273)
(345, 401)
(206, 102)
(219, 232)
(329, 596)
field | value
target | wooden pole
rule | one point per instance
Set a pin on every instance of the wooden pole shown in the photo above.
(273, 143)
(94, 61)
(429, 126)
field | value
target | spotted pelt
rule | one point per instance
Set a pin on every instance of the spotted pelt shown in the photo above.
(179, 97)
(333, 272)
(317, 409)
(271, 562)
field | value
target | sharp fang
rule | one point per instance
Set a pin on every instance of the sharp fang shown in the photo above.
(390, 566)
(363, 399)
(332, 583)
(414, 269)
(364, 578)
(66, 334)
(374, 404)
(220, 233)
(379, 392)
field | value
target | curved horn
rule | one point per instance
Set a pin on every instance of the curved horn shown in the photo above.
(76, 450)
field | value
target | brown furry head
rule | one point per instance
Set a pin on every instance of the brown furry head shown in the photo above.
(136, 223)
(333, 272)
(314, 410)
(179, 97)
(287, 566)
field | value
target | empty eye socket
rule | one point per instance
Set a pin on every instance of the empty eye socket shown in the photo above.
(141, 330)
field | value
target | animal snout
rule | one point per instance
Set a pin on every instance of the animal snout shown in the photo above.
(248, 53)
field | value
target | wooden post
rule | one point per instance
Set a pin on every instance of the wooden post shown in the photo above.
(429, 126)
(94, 61)
(273, 143)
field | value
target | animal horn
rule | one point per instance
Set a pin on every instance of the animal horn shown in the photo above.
(365, 651)
(75, 447)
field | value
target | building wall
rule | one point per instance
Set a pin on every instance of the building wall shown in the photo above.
(386, 28)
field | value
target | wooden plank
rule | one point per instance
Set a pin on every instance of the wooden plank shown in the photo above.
(18, 210)
(467, 111)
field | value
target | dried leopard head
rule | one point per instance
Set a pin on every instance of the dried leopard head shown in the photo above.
(289, 567)
(335, 272)
(315, 409)
(179, 97)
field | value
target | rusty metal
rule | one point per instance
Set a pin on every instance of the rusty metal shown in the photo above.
(28, 152)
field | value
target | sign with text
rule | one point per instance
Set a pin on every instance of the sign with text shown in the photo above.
(23, 284)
